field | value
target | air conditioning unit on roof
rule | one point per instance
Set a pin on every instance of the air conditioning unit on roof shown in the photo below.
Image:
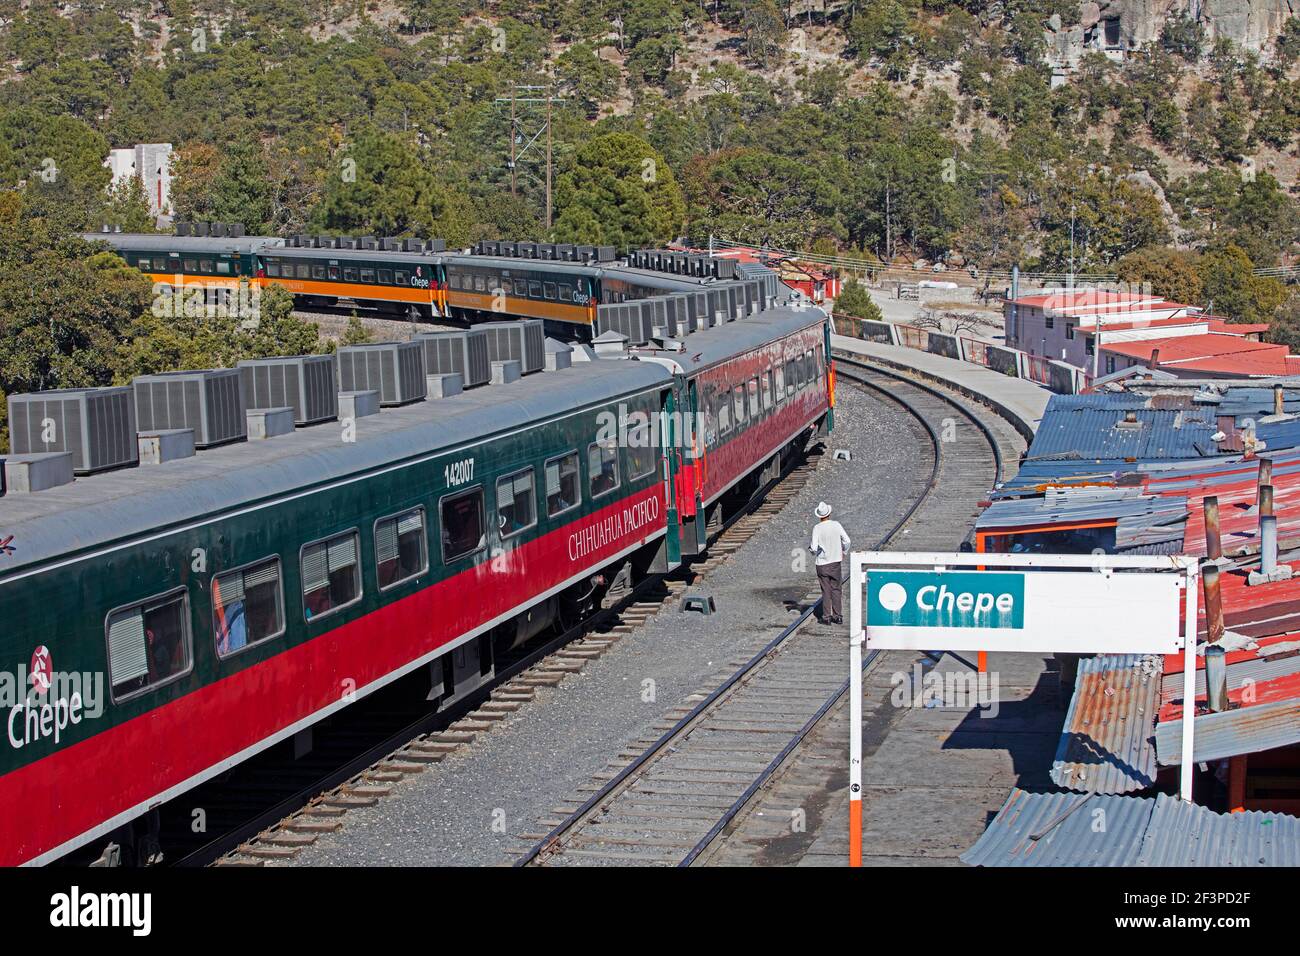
(393, 369)
(96, 424)
(210, 402)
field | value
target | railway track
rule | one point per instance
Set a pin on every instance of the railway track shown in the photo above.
(670, 798)
(276, 811)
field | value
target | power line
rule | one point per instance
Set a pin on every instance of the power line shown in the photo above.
(518, 134)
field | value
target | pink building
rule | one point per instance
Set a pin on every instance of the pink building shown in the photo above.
(1136, 329)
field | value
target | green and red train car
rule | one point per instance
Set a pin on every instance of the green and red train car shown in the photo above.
(167, 622)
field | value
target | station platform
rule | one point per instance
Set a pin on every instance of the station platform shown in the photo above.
(1020, 401)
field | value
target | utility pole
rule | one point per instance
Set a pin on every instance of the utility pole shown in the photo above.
(548, 162)
(530, 98)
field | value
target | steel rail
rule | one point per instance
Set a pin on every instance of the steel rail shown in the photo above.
(553, 841)
(743, 800)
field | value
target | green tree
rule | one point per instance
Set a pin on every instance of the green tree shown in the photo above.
(1170, 273)
(1230, 288)
(753, 196)
(1284, 327)
(1183, 35)
(617, 189)
(855, 300)
(380, 185)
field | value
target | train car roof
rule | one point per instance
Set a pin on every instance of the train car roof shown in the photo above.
(709, 347)
(513, 262)
(115, 506)
(393, 255)
(670, 281)
(144, 242)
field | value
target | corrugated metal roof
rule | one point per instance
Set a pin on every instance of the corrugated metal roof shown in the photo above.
(1073, 505)
(1184, 834)
(1245, 730)
(1108, 739)
(1115, 830)
(1100, 433)
(1065, 824)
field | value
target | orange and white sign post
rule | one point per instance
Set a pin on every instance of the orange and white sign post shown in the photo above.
(1030, 603)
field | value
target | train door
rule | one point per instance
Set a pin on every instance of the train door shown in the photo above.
(699, 466)
(830, 377)
(670, 439)
(438, 290)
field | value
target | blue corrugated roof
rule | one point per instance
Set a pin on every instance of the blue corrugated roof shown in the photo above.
(1099, 433)
(1115, 830)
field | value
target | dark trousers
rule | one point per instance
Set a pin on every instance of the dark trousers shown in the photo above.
(828, 576)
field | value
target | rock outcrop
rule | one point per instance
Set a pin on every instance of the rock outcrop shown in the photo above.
(1114, 26)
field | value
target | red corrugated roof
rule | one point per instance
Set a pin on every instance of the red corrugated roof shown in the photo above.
(1209, 352)
(1062, 299)
(1224, 327)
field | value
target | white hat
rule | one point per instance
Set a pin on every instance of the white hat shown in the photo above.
(823, 510)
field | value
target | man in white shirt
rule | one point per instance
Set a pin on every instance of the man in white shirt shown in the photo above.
(829, 543)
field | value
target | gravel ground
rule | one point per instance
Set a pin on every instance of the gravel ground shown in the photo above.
(472, 808)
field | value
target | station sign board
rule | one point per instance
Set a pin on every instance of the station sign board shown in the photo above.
(1026, 610)
(1036, 603)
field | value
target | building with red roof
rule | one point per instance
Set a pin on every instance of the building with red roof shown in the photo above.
(1141, 330)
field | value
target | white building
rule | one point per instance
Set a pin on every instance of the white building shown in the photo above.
(152, 163)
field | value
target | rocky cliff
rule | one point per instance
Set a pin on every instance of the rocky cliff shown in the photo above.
(1118, 25)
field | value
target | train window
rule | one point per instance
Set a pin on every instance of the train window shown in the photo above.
(191, 265)
(753, 398)
(247, 606)
(641, 455)
(148, 643)
(562, 491)
(334, 272)
(401, 277)
(809, 372)
(779, 372)
(205, 265)
(304, 270)
(765, 383)
(534, 288)
(349, 274)
(602, 466)
(400, 552)
(566, 293)
(480, 284)
(792, 373)
(223, 267)
(516, 510)
(386, 276)
(548, 289)
(462, 524)
(318, 272)
(331, 575)
(368, 276)
(144, 265)
(724, 413)
(738, 397)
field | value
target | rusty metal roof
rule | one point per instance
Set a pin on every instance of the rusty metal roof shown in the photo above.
(1244, 730)
(1108, 739)
(1115, 830)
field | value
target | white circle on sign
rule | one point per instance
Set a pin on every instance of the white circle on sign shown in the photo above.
(893, 596)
